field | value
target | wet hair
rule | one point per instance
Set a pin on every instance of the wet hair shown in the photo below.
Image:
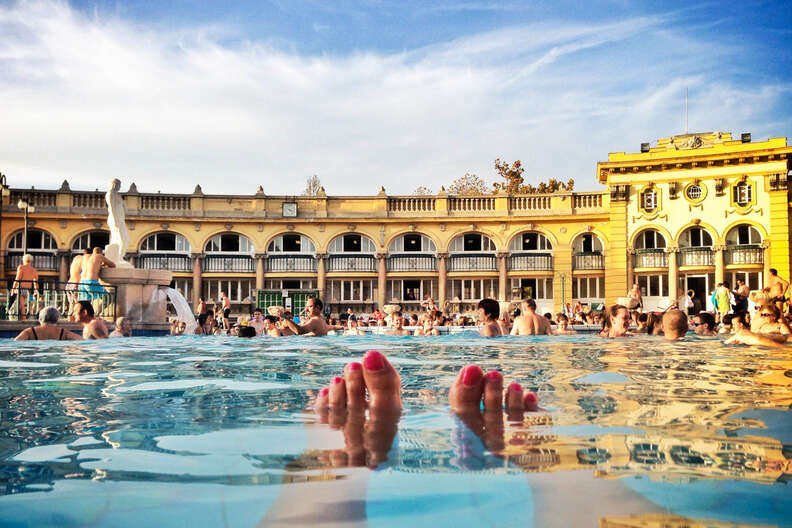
(87, 306)
(247, 331)
(49, 315)
(548, 316)
(773, 271)
(491, 307)
(707, 319)
(727, 319)
(675, 320)
(643, 317)
(530, 303)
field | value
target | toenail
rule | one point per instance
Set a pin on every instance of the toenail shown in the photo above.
(337, 380)
(374, 360)
(472, 375)
(515, 387)
(494, 375)
(324, 391)
(531, 397)
(354, 366)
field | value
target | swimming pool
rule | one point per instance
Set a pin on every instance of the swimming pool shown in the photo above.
(213, 431)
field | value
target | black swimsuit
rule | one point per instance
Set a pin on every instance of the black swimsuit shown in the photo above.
(36, 337)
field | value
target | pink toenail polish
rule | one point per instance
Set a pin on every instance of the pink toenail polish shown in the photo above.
(354, 366)
(324, 392)
(337, 380)
(374, 360)
(515, 387)
(531, 398)
(471, 375)
(494, 375)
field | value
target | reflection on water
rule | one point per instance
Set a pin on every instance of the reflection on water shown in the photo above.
(656, 433)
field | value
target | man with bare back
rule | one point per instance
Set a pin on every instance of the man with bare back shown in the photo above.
(316, 324)
(91, 266)
(75, 274)
(778, 288)
(25, 283)
(529, 322)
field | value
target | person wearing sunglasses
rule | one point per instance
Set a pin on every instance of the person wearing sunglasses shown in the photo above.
(704, 324)
(771, 321)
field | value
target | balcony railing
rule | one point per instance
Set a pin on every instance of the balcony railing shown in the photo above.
(412, 263)
(587, 200)
(164, 202)
(593, 260)
(529, 203)
(37, 198)
(695, 256)
(284, 263)
(89, 200)
(747, 254)
(41, 261)
(475, 262)
(365, 263)
(165, 261)
(411, 204)
(471, 203)
(234, 263)
(650, 258)
(531, 262)
(52, 293)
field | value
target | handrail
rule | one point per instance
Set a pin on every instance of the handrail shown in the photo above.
(59, 294)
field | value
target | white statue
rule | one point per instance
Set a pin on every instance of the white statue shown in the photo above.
(116, 220)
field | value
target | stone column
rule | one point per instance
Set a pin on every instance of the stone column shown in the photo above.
(382, 276)
(719, 266)
(502, 277)
(63, 265)
(673, 274)
(321, 259)
(196, 285)
(260, 257)
(630, 271)
(442, 280)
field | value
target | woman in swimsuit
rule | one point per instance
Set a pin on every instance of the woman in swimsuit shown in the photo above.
(48, 328)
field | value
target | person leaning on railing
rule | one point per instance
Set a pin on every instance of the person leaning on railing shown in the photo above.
(48, 328)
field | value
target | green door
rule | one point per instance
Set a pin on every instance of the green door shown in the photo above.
(267, 298)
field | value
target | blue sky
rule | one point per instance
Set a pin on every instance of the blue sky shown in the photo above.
(370, 93)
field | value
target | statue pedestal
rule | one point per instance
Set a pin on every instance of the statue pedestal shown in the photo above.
(138, 295)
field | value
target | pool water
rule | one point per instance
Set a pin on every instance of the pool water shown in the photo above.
(217, 431)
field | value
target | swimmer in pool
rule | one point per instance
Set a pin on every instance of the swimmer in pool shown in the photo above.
(488, 312)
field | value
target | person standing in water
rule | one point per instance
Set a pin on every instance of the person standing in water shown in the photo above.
(488, 312)
(91, 266)
(75, 274)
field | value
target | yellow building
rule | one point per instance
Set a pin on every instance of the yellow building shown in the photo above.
(717, 207)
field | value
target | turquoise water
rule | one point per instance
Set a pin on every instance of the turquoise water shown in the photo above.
(216, 431)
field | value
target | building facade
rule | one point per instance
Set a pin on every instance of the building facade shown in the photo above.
(695, 210)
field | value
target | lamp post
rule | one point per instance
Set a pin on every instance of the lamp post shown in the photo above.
(4, 189)
(28, 208)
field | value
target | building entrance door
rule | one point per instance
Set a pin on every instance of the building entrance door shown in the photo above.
(528, 288)
(701, 287)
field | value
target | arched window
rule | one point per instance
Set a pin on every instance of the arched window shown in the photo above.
(291, 243)
(530, 241)
(649, 200)
(412, 243)
(168, 251)
(472, 252)
(40, 244)
(472, 243)
(352, 243)
(695, 237)
(587, 243)
(165, 243)
(743, 235)
(37, 241)
(230, 243)
(91, 240)
(650, 239)
(744, 246)
(587, 252)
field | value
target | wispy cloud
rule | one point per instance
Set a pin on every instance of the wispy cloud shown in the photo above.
(89, 98)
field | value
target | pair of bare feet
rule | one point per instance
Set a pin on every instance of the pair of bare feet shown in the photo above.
(374, 384)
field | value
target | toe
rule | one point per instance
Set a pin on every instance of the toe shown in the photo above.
(467, 389)
(493, 390)
(337, 397)
(382, 381)
(355, 385)
(531, 402)
(514, 397)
